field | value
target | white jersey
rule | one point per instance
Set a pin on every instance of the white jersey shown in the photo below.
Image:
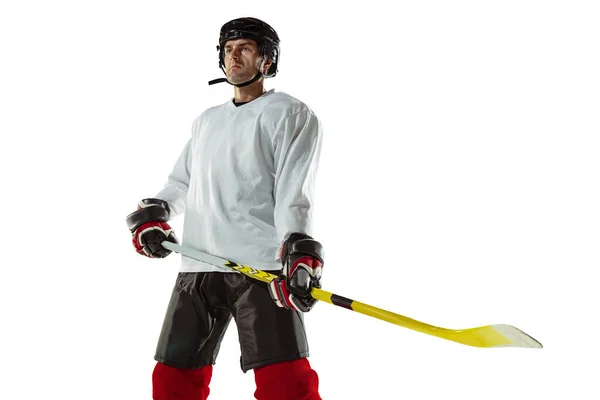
(245, 180)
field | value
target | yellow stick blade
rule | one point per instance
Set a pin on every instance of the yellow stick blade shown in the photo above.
(484, 336)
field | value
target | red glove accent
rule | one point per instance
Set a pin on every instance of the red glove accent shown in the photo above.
(148, 237)
(149, 228)
(302, 259)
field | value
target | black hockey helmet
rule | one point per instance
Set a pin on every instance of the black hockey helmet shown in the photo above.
(265, 36)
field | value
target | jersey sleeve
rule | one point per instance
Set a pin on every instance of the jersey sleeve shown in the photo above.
(175, 190)
(296, 155)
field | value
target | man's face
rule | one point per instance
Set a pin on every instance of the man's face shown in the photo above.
(242, 60)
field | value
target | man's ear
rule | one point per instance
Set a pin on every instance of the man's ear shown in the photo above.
(267, 65)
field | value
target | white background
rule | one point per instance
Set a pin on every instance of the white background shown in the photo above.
(459, 185)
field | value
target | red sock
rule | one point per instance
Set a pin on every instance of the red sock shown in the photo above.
(170, 383)
(288, 380)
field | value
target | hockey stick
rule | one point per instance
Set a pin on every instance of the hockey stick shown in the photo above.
(483, 336)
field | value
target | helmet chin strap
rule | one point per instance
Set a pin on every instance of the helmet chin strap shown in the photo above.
(256, 77)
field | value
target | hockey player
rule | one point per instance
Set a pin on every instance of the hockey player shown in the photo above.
(244, 182)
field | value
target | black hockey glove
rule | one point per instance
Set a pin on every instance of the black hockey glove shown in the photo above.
(148, 226)
(302, 259)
